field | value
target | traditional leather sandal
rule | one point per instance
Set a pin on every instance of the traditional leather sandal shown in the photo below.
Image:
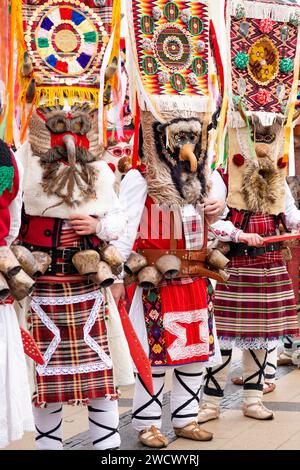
(284, 360)
(208, 412)
(237, 380)
(269, 387)
(152, 437)
(257, 411)
(194, 432)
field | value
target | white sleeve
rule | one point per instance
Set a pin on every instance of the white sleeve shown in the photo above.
(218, 190)
(112, 225)
(133, 193)
(292, 214)
(223, 230)
(15, 209)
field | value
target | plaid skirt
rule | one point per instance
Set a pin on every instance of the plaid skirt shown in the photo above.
(68, 325)
(256, 306)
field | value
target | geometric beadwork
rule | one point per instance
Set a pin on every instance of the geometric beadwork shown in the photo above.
(66, 40)
(171, 40)
(262, 76)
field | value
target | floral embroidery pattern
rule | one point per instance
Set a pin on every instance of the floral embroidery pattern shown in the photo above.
(155, 327)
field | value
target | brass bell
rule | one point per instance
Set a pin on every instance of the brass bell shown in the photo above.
(9, 265)
(86, 261)
(149, 277)
(43, 261)
(169, 266)
(4, 288)
(135, 263)
(104, 276)
(26, 259)
(21, 285)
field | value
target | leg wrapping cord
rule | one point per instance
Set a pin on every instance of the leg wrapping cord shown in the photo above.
(291, 345)
(185, 394)
(216, 378)
(48, 425)
(254, 362)
(103, 424)
(271, 366)
(288, 345)
(147, 409)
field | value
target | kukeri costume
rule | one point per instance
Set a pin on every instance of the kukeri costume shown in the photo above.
(256, 308)
(15, 411)
(171, 63)
(71, 315)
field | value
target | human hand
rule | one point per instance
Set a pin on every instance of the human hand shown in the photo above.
(252, 239)
(214, 207)
(118, 292)
(84, 224)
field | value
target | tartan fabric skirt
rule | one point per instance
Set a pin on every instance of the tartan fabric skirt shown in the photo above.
(256, 306)
(68, 325)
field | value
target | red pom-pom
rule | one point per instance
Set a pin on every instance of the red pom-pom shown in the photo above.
(263, 97)
(112, 167)
(238, 159)
(281, 163)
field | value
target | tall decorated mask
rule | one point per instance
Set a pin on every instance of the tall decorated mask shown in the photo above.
(263, 65)
(71, 81)
(170, 46)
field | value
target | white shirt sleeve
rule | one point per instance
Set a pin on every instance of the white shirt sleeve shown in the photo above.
(15, 209)
(133, 193)
(112, 225)
(292, 214)
(218, 190)
(223, 230)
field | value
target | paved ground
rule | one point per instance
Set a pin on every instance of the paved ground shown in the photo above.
(232, 430)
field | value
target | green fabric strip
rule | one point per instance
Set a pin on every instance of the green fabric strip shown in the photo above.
(6, 178)
(43, 42)
(90, 37)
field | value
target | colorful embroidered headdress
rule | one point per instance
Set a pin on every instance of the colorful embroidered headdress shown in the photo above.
(67, 70)
(173, 76)
(263, 44)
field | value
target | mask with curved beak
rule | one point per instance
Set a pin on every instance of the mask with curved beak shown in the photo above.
(182, 136)
(179, 156)
(69, 142)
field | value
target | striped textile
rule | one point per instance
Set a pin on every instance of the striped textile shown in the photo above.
(177, 324)
(69, 328)
(264, 225)
(256, 302)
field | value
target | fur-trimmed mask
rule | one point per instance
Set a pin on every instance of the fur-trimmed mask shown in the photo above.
(64, 172)
(257, 170)
(66, 143)
(179, 174)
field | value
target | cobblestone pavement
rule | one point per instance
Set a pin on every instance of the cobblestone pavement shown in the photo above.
(231, 401)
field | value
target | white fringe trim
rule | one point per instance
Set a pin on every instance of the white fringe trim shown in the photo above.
(190, 103)
(235, 119)
(260, 10)
(253, 343)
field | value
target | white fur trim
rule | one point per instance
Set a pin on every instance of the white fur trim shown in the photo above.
(37, 202)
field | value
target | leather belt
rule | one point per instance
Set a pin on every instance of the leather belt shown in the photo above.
(242, 249)
(192, 261)
(61, 258)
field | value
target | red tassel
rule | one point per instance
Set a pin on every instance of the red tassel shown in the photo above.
(135, 157)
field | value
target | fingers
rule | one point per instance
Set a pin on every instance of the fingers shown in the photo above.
(255, 240)
(214, 207)
(212, 210)
(74, 217)
(83, 232)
